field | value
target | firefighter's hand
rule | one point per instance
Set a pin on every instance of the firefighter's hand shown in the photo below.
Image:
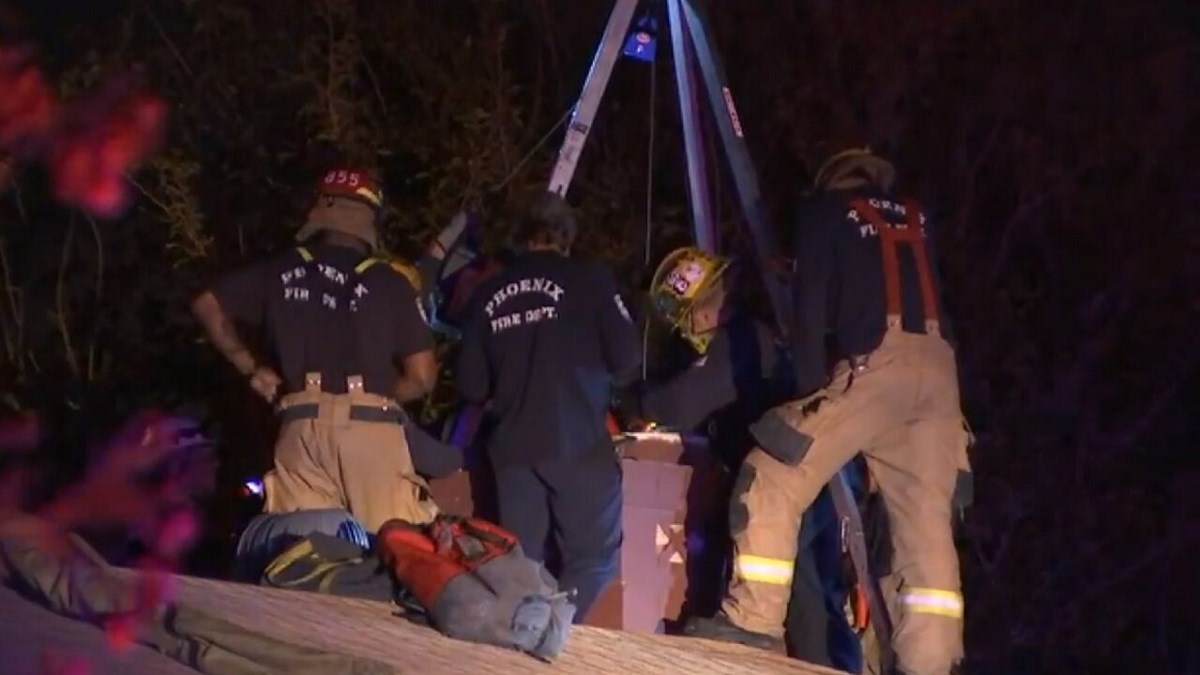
(266, 383)
(638, 425)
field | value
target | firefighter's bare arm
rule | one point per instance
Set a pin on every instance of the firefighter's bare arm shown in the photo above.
(222, 333)
(814, 249)
(415, 347)
(418, 377)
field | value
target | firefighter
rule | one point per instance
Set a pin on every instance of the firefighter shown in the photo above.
(544, 341)
(348, 346)
(738, 371)
(865, 272)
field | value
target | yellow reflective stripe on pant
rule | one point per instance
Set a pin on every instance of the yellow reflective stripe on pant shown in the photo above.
(766, 570)
(933, 601)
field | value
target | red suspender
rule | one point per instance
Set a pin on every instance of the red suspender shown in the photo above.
(890, 239)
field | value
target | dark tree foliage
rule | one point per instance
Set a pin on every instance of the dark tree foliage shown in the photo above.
(1055, 141)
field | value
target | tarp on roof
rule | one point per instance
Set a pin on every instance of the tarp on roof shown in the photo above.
(319, 633)
(77, 584)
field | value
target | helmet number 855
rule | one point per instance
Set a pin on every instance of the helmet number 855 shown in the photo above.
(345, 177)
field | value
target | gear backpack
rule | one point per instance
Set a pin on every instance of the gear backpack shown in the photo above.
(473, 582)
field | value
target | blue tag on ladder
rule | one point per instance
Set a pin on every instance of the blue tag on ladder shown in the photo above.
(641, 42)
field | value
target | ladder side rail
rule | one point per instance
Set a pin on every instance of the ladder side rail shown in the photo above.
(738, 155)
(699, 192)
(592, 93)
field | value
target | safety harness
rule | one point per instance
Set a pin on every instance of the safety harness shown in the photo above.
(361, 267)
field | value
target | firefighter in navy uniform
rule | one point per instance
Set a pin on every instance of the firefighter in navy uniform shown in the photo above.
(865, 272)
(544, 341)
(348, 346)
(740, 371)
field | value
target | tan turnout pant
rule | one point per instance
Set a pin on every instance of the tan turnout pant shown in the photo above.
(333, 461)
(902, 411)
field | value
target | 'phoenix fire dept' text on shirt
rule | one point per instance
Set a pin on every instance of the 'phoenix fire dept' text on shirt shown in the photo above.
(551, 291)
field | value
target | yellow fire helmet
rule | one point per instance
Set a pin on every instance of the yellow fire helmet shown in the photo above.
(686, 275)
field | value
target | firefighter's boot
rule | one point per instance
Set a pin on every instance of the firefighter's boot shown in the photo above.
(719, 627)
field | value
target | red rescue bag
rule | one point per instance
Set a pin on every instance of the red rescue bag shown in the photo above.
(473, 582)
(425, 559)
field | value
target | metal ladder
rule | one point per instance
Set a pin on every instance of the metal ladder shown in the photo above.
(695, 58)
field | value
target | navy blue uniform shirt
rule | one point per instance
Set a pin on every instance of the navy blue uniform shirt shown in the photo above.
(740, 377)
(544, 341)
(321, 316)
(839, 283)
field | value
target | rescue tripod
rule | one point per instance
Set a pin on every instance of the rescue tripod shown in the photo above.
(693, 51)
